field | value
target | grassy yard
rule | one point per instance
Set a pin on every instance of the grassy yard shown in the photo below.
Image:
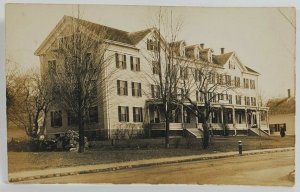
(103, 152)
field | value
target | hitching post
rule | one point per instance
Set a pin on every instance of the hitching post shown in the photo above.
(240, 147)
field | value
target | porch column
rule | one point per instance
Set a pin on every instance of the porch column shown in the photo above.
(210, 118)
(233, 119)
(196, 118)
(258, 119)
(222, 118)
(267, 116)
(246, 117)
(148, 113)
(149, 120)
(182, 117)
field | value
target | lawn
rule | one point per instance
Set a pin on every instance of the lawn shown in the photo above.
(103, 152)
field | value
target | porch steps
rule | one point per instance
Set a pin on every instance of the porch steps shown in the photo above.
(196, 133)
(258, 132)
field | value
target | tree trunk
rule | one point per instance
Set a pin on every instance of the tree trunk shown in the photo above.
(205, 141)
(167, 136)
(81, 135)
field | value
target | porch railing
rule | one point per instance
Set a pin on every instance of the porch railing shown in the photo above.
(161, 126)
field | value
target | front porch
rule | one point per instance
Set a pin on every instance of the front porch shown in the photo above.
(224, 119)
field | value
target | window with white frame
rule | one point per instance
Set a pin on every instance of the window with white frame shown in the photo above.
(122, 87)
(123, 112)
(253, 101)
(199, 96)
(246, 83)
(152, 45)
(137, 114)
(230, 99)
(238, 99)
(135, 63)
(228, 80)
(197, 75)
(155, 91)
(120, 60)
(56, 119)
(237, 81)
(231, 65)
(155, 67)
(252, 84)
(136, 89)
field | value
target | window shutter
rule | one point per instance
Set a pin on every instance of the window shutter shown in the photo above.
(126, 88)
(52, 119)
(138, 68)
(141, 114)
(127, 113)
(131, 62)
(133, 114)
(152, 90)
(119, 112)
(118, 87)
(148, 48)
(117, 60)
(153, 67)
(140, 89)
(197, 96)
(60, 119)
(132, 89)
(124, 59)
(158, 87)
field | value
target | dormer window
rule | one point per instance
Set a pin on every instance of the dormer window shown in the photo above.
(197, 53)
(182, 49)
(182, 52)
(210, 56)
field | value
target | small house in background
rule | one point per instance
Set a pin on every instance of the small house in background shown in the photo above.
(282, 115)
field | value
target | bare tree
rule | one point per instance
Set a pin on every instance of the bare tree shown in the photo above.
(28, 99)
(79, 78)
(210, 85)
(164, 76)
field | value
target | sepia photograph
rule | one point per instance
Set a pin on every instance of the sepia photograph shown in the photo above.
(140, 94)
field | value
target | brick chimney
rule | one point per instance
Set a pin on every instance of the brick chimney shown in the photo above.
(222, 50)
(289, 93)
(202, 45)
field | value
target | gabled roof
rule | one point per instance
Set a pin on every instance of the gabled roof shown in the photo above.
(133, 38)
(282, 106)
(136, 37)
(250, 70)
(112, 34)
(204, 50)
(222, 59)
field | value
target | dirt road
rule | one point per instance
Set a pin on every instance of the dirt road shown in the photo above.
(265, 169)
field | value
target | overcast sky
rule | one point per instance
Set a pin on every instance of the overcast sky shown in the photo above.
(263, 38)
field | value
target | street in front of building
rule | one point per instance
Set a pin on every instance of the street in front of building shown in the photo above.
(264, 169)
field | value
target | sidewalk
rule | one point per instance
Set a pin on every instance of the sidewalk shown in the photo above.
(47, 173)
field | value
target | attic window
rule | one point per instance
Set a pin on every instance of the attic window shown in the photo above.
(231, 65)
(152, 45)
(182, 50)
(197, 55)
(210, 56)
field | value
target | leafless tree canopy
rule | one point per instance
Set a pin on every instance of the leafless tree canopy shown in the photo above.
(79, 75)
(28, 100)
